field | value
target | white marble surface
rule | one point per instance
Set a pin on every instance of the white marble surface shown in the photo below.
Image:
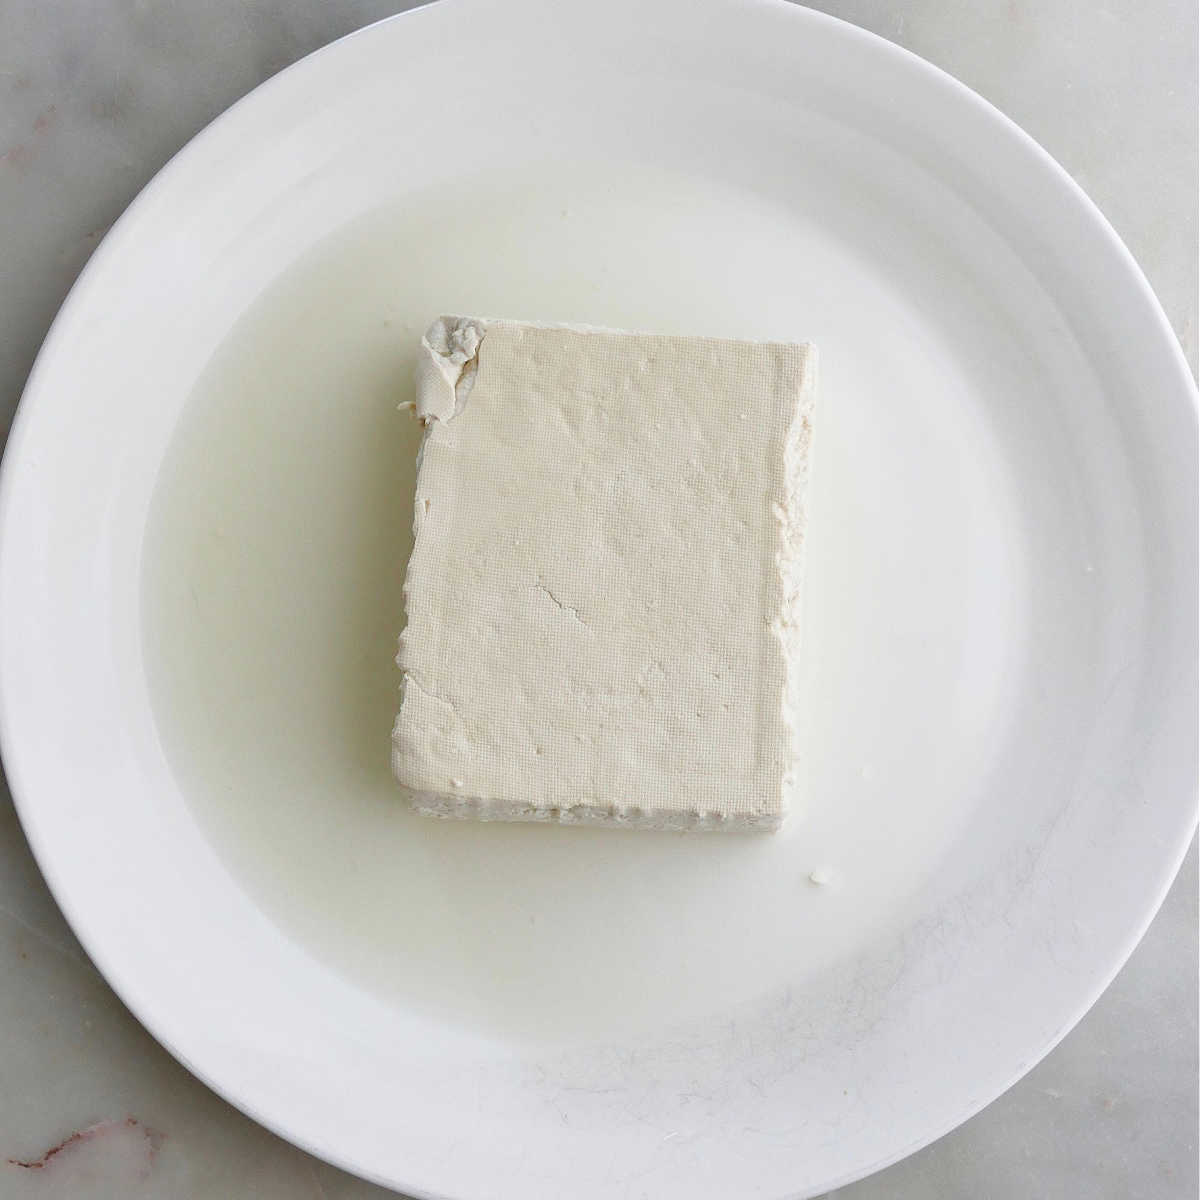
(93, 99)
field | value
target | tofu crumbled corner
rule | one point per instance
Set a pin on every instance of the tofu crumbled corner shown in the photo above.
(604, 589)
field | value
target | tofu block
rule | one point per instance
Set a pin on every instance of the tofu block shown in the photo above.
(603, 594)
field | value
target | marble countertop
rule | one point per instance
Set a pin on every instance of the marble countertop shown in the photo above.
(95, 98)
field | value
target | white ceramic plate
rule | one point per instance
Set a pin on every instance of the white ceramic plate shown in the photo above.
(1001, 666)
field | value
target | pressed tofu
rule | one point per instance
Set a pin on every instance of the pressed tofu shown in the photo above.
(603, 593)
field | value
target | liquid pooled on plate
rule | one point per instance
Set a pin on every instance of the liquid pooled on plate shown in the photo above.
(273, 566)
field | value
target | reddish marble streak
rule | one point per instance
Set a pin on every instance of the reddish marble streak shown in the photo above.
(19, 155)
(152, 1136)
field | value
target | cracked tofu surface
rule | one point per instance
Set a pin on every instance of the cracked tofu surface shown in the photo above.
(603, 595)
